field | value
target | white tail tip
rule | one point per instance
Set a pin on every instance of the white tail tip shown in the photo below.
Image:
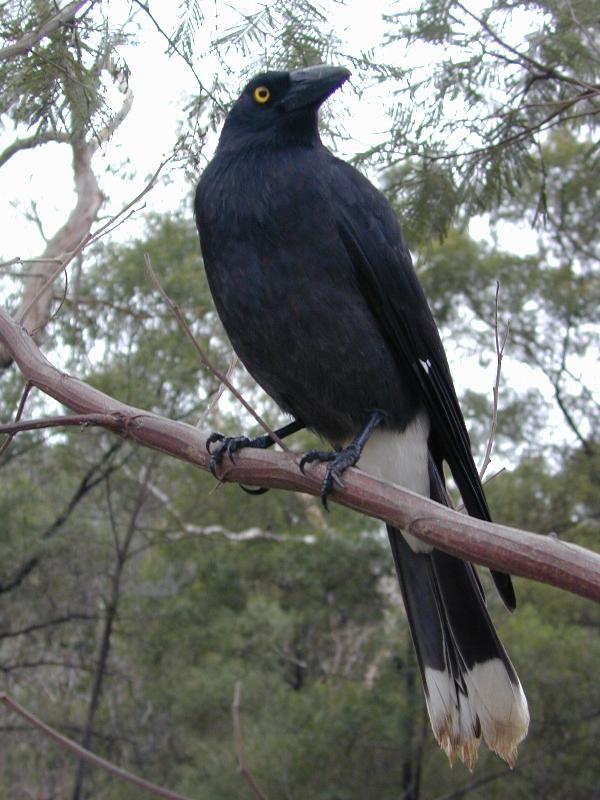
(487, 705)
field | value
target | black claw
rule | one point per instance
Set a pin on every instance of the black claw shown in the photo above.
(316, 455)
(337, 461)
(254, 491)
(231, 444)
(227, 445)
(214, 437)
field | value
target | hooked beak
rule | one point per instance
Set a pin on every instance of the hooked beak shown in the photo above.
(312, 86)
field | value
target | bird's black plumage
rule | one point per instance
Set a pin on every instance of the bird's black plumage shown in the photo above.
(317, 292)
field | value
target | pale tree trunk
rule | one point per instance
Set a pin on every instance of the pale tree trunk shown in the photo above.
(36, 302)
(35, 307)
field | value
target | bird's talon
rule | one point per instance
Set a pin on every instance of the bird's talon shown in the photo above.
(338, 480)
(253, 490)
(214, 437)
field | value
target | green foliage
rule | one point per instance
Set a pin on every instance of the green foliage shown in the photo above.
(305, 614)
(498, 80)
(203, 587)
(426, 199)
(54, 87)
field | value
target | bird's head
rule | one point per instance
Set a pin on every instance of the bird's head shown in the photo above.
(281, 107)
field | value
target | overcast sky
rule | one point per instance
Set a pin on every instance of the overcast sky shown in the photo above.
(162, 87)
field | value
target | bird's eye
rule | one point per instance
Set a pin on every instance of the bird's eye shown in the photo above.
(261, 94)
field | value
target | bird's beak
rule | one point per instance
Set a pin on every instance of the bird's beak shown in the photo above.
(312, 85)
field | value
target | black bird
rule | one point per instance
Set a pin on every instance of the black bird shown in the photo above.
(317, 292)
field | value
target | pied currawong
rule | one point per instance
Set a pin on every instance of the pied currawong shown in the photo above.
(317, 292)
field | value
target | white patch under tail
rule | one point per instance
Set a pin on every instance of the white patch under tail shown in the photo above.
(493, 707)
(401, 458)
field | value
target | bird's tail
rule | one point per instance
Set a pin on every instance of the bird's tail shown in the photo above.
(471, 687)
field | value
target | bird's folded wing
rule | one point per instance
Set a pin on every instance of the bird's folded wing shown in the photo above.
(384, 271)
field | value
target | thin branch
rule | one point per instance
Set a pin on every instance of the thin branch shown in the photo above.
(29, 142)
(89, 239)
(87, 755)
(110, 615)
(80, 420)
(524, 58)
(541, 558)
(248, 535)
(239, 744)
(204, 358)
(94, 475)
(174, 46)
(29, 40)
(214, 400)
(39, 626)
(120, 78)
(11, 433)
(500, 345)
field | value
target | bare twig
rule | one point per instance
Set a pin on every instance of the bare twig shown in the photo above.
(40, 626)
(525, 58)
(239, 744)
(204, 358)
(79, 420)
(176, 49)
(518, 552)
(500, 345)
(87, 755)
(11, 433)
(212, 403)
(87, 240)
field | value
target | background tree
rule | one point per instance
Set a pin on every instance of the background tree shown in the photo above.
(134, 595)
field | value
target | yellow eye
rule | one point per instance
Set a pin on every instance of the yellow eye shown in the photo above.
(261, 94)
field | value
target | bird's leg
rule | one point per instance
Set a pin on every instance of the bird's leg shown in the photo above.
(229, 445)
(340, 459)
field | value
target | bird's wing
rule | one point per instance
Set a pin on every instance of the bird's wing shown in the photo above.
(371, 236)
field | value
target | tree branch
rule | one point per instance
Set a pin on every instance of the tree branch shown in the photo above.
(541, 558)
(29, 40)
(204, 359)
(81, 752)
(239, 744)
(487, 458)
(75, 234)
(49, 623)
(29, 142)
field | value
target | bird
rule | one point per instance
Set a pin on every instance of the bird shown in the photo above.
(317, 292)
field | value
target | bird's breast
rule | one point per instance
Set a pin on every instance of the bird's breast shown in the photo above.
(287, 294)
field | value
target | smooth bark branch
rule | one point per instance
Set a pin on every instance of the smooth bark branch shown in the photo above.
(541, 558)
(30, 142)
(70, 238)
(37, 294)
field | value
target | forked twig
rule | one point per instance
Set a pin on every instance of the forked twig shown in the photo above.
(204, 358)
(239, 744)
(87, 755)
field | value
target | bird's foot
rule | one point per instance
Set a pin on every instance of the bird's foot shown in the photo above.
(230, 445)
(337, 461)
(341, 458)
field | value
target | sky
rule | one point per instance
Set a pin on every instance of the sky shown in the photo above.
(162, 87)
